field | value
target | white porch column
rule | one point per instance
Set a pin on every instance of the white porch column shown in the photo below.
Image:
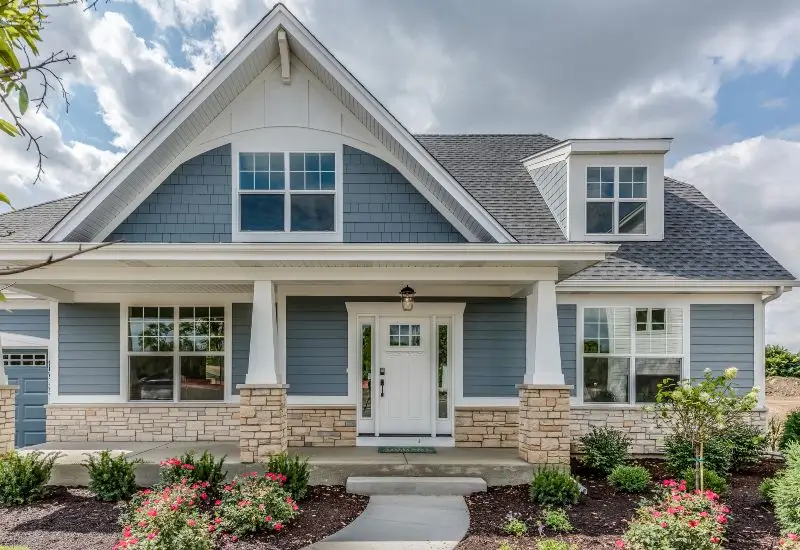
(542, 351)
(262, 364)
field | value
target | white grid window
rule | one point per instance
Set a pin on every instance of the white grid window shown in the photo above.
(404, 336)
(25, 359)
(616, 200)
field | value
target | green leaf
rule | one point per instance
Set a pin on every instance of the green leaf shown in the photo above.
(8, 128)
(23, 99)
(8, 57)
(3, 297)
(4, 198)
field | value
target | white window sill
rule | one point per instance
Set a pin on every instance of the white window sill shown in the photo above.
(287, 237)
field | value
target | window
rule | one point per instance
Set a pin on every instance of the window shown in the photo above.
(443, 371)
(25, 359)
(404, 336)
(628, 352)
(188, 363)
(287, 192)
(616, 200)
(366, 371)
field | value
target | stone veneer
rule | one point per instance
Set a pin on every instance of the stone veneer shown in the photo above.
(483, 427)
(7, 417)
(321, 426)
(544, 425)
(263, 421)
(142, 422)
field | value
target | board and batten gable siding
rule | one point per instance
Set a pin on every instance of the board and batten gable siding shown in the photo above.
(88, 349)
(722, 336)
(193, 205)
(241, 319)
(567, 338)
(27, 322)
(553, 184)
(380, 205)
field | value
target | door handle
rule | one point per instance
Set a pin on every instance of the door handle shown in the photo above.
(381, 387)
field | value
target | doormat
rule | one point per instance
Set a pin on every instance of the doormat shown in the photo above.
(408, 450)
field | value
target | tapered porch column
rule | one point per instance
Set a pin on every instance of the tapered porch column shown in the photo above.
(262, 409)
(544, 410)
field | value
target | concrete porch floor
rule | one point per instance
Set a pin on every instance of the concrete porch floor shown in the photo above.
(329, 465)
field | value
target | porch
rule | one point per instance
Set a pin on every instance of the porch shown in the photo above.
(329, 465)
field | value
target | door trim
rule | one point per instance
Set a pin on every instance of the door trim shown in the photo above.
(360, 312)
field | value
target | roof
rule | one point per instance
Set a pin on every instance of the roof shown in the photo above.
(32, 223)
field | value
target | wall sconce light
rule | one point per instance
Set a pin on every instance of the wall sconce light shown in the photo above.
(407, 298)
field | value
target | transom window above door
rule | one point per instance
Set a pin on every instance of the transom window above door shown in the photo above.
(291, 193)
(402, 335)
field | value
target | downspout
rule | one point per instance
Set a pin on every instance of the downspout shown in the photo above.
(774, 296)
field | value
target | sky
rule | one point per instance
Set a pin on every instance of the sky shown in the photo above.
(722, 79)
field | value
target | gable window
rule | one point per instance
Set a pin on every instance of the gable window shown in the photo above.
(628, 352)
(287, 192)
(176, 353)
(616, 200)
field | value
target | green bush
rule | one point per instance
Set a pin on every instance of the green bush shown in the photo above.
(195, 470)
(111, 478)
(781, 362)
(679, 455)
(555, 544)
(296, 470)
(604, 449)
(23, 476)
(556, 519)
(711, 480)
(765, 489)
(748, 444)
(791, 430)
(630, 479)
(251, 503)
(515, 526)
(785, 492)
(550, 487)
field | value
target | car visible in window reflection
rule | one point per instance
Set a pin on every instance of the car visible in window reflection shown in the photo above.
(156, 388)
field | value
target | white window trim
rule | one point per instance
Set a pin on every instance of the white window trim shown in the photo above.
(337, 235)
(649, 323)
(579, 374)
(616, 200)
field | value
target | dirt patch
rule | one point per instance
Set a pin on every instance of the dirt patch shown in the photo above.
(70, 519)
(783, 387)
(601, 516)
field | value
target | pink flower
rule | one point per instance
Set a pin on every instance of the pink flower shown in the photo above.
(722, 519)
(218, 520)
(204, 496)
(190, 522)
(715, 540)
(663, 524)
(234, 538)
(217, 503)
(619, 544)
(211, 528)
(188, 467)
(792, 536)
(693, 523)
(278, 526)
(152, 512)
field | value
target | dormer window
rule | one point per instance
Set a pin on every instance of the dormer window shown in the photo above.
(616, 200)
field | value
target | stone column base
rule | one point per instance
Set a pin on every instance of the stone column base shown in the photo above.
(262, 416)
(8, 425)
(544, 425)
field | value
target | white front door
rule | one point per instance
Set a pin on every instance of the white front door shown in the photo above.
(404, 376)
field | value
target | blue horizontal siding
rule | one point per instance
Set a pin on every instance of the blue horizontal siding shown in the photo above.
(722, 336)
(567, 338)
(27, 322)
(241, 318)
(88, 349)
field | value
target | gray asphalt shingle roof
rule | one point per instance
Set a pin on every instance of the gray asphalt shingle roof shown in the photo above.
(700, 242)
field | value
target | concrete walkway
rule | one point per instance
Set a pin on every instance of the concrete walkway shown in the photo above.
(404, 522)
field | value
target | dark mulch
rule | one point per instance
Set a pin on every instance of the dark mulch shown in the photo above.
(600, 518)
(70, 519)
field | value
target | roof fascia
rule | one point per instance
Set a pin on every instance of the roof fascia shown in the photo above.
(675, 286)
(602, 147)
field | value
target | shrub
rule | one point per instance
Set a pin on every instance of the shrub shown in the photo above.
(23, 476)
(765, 489)
(168, 519)
(555, 544)
(630, 479)
(515, 526)
(786, 498)
(711, 480)
(679, 455)
(748, 444)
(194, 470)
(111, 478)
(679, 520)
(604, 449)
(296, 470)
(781, 362)
(556, 519)
(551, 487)
(791, 430)
(252, 503)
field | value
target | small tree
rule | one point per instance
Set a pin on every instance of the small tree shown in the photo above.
(700, 411)
(780, 361)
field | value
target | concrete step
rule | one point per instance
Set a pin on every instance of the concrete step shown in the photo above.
(429, 486)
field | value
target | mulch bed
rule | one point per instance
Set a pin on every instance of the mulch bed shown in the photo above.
(600, 518)
(70, 519)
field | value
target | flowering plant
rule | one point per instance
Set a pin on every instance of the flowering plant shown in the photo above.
(679, 520)
(252, 503)
(790, 542)
(168, 519)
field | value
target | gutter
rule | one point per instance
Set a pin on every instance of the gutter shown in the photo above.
(774, 296)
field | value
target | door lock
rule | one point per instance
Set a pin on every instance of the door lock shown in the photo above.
(381, 386)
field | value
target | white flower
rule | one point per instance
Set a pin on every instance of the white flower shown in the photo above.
(704, 396)
(730, 373)
(707, 371)
(756, 389)
(677, 395)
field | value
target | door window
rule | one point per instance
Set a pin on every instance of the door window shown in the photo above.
(404, 335)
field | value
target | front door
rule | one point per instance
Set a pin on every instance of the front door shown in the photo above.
(404, 376)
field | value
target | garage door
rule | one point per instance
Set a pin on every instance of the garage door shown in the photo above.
(28, 370)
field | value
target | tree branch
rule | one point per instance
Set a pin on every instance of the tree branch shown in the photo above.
(51, 260)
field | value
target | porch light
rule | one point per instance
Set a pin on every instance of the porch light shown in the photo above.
(407, 298)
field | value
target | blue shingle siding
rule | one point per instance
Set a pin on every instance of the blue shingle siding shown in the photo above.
(28, 322)
(553, 185)
(241, 318)
(316, 345)
(494, 347)
(380, 205)
(88, 349)
(722, 336)
(192, 205)
(567, 338)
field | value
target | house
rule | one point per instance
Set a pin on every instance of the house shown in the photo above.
(266, 228)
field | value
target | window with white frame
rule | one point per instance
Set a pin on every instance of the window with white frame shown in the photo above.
(616, 200)
(183, 364)
(628, 352)
(31, 358)
(287, 192)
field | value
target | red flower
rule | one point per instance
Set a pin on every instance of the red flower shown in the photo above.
(190, 522)
(693, 523)
(217, 503)
(663, 524)
(142, 523)
(204, 496)
(227, 487)
(218, 521)
(211, 528)
(619, 543)
(269, 518)
(722, 519)
(234, 538)
(151, 536)
(187, 467)
(278, 526)
(715, 540)
(152, 512)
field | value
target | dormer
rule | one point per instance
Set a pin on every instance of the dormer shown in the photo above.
(604, 189)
